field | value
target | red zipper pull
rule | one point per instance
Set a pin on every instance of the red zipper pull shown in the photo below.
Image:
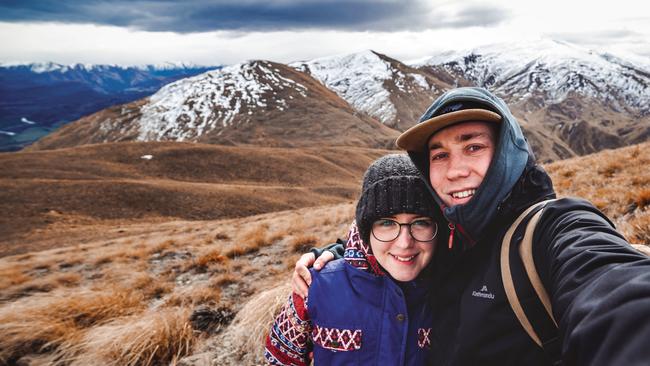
(452, 229)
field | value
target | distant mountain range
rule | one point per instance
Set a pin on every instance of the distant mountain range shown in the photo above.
(38, 97)
(570, 101)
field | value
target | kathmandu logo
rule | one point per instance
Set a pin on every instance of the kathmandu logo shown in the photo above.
(484, 293)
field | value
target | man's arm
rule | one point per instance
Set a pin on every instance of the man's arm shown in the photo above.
(318, 257)
(599, 286)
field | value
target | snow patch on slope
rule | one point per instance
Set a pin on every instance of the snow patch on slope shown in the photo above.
(552, 67)
(190, 107)
(357, 78)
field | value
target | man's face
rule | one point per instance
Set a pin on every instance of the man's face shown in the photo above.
(459, 157)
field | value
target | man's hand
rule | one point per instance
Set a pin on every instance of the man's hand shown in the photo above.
(301, 278)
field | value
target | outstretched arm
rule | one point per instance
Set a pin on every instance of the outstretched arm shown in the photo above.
(599, 286)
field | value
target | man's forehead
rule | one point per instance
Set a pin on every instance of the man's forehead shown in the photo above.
(462, 131)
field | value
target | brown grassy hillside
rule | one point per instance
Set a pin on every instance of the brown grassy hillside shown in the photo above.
(52, 198)
(616, 181)
(205, 291)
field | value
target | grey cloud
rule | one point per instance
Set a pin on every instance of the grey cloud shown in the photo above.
(250, 15)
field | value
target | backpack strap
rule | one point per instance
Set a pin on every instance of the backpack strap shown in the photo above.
(525, 291)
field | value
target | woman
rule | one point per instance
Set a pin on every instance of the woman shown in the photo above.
(370, 307)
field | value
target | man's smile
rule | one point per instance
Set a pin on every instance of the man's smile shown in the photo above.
(463, 194)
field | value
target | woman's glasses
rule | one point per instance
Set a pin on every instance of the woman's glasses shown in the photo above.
(389, 230)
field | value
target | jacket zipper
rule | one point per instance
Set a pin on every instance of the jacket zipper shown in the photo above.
(452, 229)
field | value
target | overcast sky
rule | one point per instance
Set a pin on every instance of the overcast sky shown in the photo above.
(209, 32)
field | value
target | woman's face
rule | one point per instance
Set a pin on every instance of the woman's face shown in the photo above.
(404, 257)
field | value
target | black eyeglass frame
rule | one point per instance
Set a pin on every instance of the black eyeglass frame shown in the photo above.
(399, 232)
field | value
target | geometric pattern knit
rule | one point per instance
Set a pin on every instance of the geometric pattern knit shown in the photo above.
(424, 337)
(337, 339)
(288, 341)
(359, 254)
(291, 337)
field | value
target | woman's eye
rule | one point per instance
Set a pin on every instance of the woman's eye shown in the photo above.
(474, 148)
(422, 223)
(385, 223)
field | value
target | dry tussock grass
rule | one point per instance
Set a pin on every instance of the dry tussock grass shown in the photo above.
(149, 287)
(221, 236)
(40, 285)
(206, 260)
(302, 243)
(157, 272)
(151, 338)
(256, 237)
(161, 247)
(13, 276)
(640, 228)
(616, 181)
(225, 279)
(245, 336)
(252, 241)
(48, 320)
(641, 198)
(193, 296)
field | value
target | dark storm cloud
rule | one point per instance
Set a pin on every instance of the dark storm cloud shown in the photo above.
(246, 15)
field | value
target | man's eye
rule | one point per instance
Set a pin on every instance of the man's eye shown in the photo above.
(474, 148)
(439, 156)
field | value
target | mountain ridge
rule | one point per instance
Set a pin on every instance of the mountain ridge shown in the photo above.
(50, 95)
(253, 103)
(569, 101)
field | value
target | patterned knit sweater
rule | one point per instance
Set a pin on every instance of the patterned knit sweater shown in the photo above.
(290, 339)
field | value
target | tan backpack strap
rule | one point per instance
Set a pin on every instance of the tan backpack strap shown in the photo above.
(506, 276)
(526, 252)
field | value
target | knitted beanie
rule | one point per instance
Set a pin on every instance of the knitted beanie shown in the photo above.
(392, 185)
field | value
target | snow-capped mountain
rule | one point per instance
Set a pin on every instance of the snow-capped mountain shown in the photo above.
(553, 68)
(51, 94)
(569, 101)
(256, 102)
(375, 84)
(188, 109)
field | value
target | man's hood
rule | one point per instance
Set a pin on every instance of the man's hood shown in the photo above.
(510, 158)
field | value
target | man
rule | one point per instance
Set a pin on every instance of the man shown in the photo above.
(483, 175)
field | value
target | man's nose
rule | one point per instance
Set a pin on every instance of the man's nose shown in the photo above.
(458, 168)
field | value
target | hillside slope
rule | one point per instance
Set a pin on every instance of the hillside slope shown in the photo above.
(206, 290)
(53, 193)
